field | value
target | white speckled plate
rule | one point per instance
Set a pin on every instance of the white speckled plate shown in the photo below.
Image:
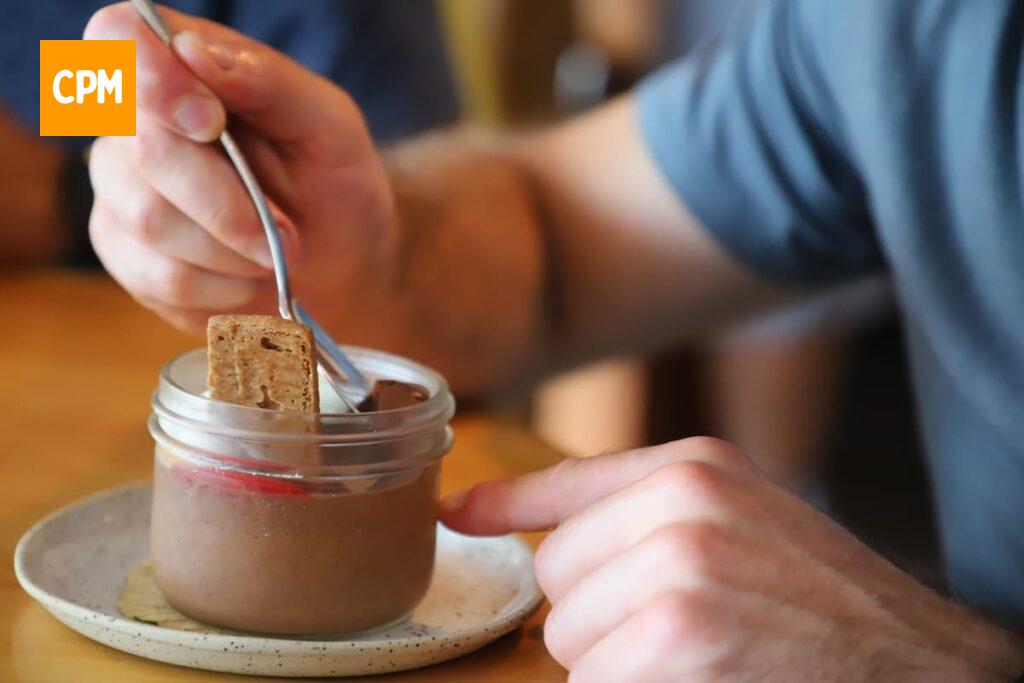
(75, 561)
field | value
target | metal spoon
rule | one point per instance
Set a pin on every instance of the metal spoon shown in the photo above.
(350, 384)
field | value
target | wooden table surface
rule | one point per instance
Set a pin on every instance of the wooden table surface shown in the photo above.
(78, 361)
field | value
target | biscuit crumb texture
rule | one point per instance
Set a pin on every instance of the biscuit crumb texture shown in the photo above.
(262, 361)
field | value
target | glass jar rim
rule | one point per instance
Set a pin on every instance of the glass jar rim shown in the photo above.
(186, 407)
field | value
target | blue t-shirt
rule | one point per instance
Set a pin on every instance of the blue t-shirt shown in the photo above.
(827, 140)
(388, 55)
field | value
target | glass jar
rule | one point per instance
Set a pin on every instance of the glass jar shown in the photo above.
(292, 523)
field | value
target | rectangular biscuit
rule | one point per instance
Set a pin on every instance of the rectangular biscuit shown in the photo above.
(262, 361)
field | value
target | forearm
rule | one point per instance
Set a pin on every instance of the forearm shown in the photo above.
(633, 268)
(996, 653)
(983, 650)
(470, 264)
(528, 253)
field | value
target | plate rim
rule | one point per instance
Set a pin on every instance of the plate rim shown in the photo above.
(527, 599)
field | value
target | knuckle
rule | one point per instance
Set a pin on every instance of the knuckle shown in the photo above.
(145, 219)
(688, 479)
(672, 620)
(715, 449)
(99, 224)
(175, 282)
(105, 229)
(691, 545)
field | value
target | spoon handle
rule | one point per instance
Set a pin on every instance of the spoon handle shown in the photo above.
(285, 303)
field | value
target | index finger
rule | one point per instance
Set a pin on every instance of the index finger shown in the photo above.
(544, 499)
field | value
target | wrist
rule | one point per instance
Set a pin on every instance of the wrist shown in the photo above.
(468, 267)
(995, 654)
(937, 639)
(911, 659)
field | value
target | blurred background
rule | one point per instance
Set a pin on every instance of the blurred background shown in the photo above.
(816, 393)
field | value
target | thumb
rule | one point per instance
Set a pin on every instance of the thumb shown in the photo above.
(541, 500)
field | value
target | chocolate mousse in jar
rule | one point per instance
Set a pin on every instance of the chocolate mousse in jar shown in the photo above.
(298, 523)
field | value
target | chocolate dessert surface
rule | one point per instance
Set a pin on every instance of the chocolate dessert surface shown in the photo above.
(390, 394)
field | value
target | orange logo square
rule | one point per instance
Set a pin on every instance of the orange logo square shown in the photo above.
(86, 87)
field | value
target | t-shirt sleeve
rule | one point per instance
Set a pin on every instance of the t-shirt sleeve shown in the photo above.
(747, 133)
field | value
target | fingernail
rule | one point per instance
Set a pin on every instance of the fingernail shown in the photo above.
(199, 116)
(454, 501)
(191, 45)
